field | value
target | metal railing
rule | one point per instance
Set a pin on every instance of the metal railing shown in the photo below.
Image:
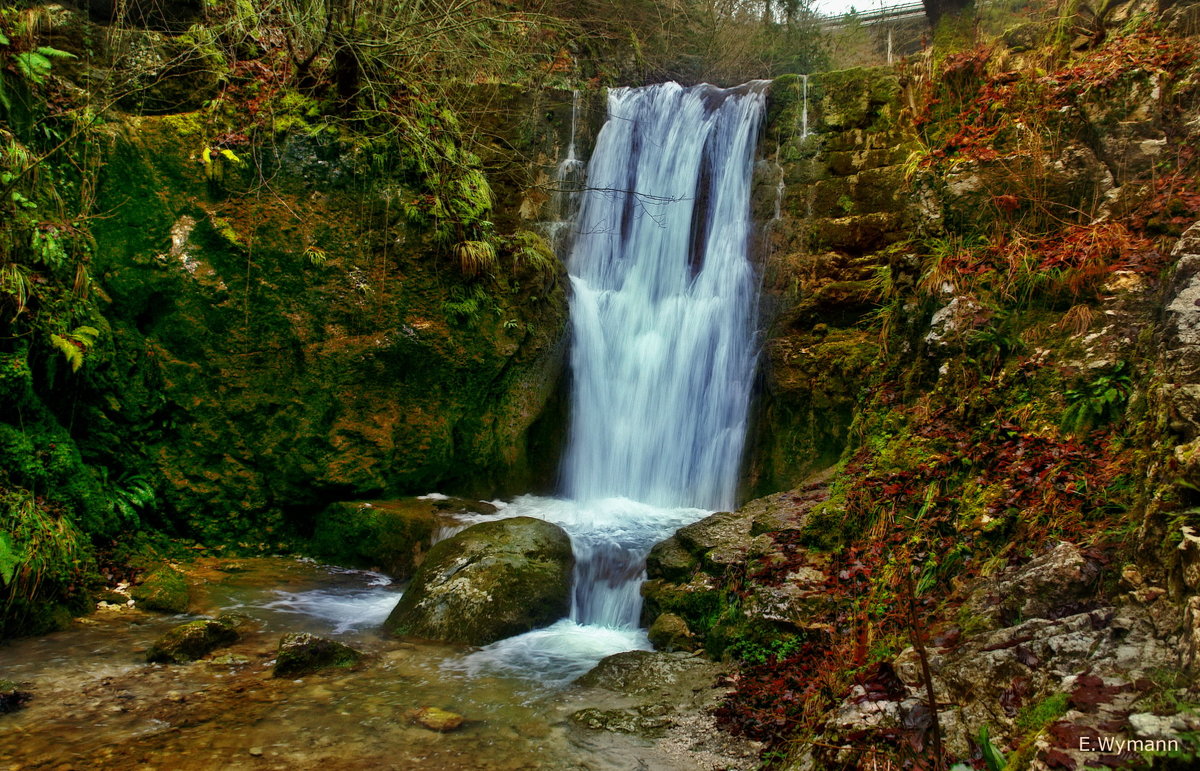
(893, 13)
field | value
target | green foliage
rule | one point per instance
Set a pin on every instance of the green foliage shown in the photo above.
(74, 344)
(991, 344)
(756, 652)
(131, 495)
(16, 287)
(9, 559)
(1098, 401)
(465, 307)
(532, 252)
(476, 258)
(35, 65)
(991, 755)
(315, 255)
(1036, 716)
(43, 560)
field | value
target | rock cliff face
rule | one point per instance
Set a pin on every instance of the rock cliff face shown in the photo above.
(231, 299)
(977, 401)
(831, 192)
(284, 336)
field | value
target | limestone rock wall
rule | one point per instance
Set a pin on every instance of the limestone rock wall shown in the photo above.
(831, 194)
(285, 336)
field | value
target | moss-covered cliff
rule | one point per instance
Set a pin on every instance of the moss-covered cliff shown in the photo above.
(232, 298)
(976, 401)
(308, 342)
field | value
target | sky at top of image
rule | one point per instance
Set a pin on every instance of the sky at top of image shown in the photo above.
(839, 7)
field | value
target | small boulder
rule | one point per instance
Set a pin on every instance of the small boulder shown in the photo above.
(164, 589)
(12, 698)
(669, 632)
(1056, 583)
(491, 581)
(652, 673)
(435, 719)
(190, 641)
(668, 559)
(720, 540)
(302, 654)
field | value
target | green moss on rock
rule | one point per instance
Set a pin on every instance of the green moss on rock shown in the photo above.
(392, 536)
(12, 696)
(190, 641)
(164, 589)
(302, 654)
(669, 632)
(491, 581)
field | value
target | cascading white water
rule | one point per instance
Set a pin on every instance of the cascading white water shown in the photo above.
(664, 299)
(804, 110)
(663, 355)
(569, 179)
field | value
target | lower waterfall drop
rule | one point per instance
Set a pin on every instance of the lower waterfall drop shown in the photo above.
(663, 357)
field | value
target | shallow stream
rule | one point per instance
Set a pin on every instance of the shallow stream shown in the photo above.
(97, 704)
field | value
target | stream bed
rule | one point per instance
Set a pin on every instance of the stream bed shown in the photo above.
(97, 704)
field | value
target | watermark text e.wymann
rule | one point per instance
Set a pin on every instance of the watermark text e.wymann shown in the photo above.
(1115, 745)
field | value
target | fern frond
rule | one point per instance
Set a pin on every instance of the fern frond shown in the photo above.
(475, 257)
(16, 283)
(74, 344)
(85, 335)
(70, 351)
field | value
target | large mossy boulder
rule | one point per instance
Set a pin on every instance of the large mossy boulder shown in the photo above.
(190, 641)
(164, 589)
(735, 579)
(391, 536)
(491, 581)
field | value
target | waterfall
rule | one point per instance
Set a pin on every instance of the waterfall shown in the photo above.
(663, 299)
(804, 109)
(568, 179)
(664, 349)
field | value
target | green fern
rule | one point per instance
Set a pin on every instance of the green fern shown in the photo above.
(35, 65)
(8, 559)
(131, 495)
(315, 255)
(464, 307)
(476, 257)
(1097, 402)
(48, 248)
(73, 345)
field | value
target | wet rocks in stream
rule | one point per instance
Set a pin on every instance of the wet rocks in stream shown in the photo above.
(194, 639)
(667, 699)
(12, 696)
(435, 719)
(301, 653)
(164, 589)
(491, 581)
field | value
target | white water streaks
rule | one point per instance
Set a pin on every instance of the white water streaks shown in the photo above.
(568, 182)
(804, 110)
(663, 357)
(610, 539)
(664, 301)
